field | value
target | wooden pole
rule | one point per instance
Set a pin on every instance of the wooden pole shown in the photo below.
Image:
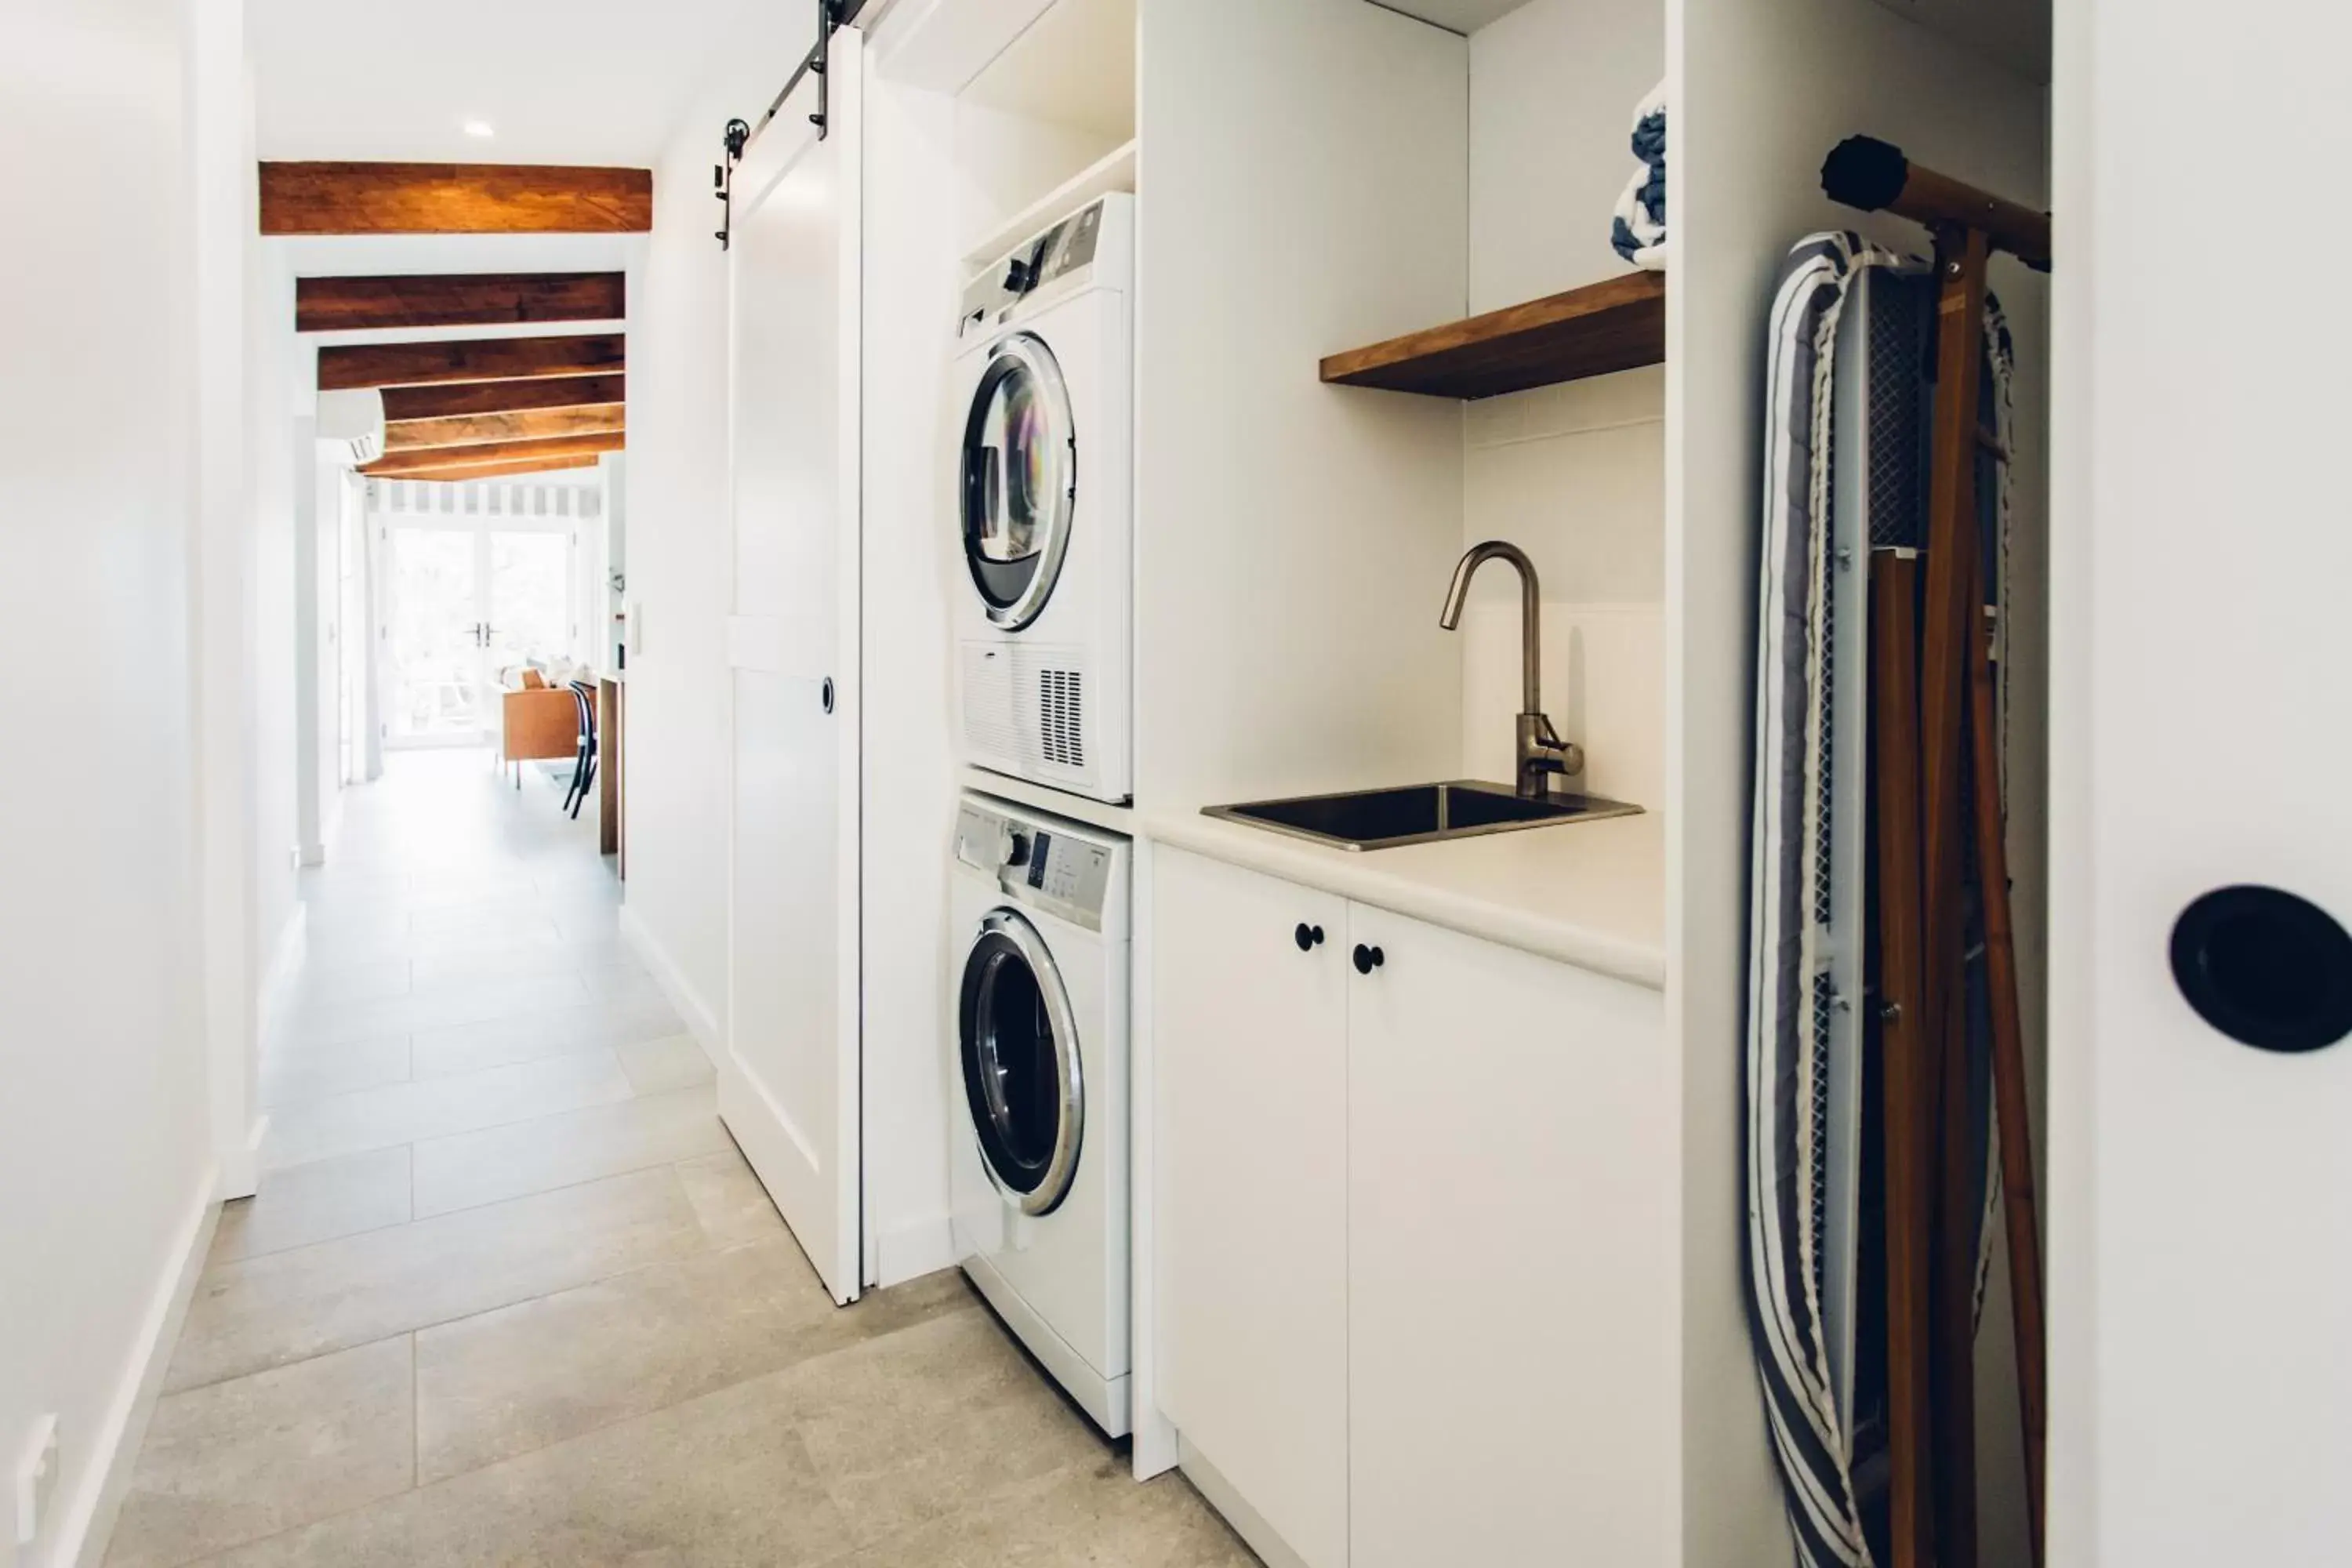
(2017, 1194)
(1904, 1040)
(1951, 621)
(1873, 176)
(1955, 707)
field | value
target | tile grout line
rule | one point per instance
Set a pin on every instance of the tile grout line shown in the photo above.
(419, 1485)
(797, 1423)
(709, 1245)
(415, 1420)
(462, 1132)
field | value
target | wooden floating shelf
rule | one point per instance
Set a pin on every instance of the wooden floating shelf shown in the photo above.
(1620, 324)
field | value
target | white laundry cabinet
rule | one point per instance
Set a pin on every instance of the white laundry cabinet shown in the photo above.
(1417, 1232)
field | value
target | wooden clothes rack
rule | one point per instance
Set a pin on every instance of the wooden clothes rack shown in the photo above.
(1933, 715)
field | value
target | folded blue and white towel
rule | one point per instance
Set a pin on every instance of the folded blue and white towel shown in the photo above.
(1639, 231)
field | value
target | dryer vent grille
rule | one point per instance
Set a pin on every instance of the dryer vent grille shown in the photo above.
(988, 727)
(1061, 715)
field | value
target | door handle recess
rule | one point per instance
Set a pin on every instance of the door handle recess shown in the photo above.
(825, 693)
(1368, 957)
(2265, 967)
(1307, 937)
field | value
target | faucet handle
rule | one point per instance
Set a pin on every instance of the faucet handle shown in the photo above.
(1541, 751)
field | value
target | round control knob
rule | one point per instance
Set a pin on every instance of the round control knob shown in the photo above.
(1016, 849)
(1307, 937)
(1020, 276)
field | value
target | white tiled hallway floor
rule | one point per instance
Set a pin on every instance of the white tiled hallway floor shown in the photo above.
(508, 1294)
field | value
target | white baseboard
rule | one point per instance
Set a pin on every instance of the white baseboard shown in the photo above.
(240, 1168)
(238, 1155)
(1247, 1522)
(913, 1249)
(676, 988)
(97, 1499)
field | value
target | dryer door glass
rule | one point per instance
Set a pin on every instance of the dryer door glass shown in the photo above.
(1019, 1052)
(1020, 480)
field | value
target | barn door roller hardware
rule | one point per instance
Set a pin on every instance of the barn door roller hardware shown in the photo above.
(829, 14)
(722, 178)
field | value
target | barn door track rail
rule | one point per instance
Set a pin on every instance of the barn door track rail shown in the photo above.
(831, 16)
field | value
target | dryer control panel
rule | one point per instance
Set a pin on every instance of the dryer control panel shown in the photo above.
(1037, 863)
(1069, 248)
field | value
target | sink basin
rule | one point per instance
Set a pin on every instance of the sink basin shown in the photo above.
(1415, 814)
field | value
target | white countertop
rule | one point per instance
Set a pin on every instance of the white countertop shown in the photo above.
(1588, 893)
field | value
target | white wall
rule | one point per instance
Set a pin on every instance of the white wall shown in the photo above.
(1574, 475)
(1294, 540)
(107, 1149)
(317, 497)
(282, 469)
(1552, 90)
(1762, 94)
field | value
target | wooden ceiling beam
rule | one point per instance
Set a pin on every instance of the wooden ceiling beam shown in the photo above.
(478, 429)
(457, 300)
(344, 367)
(454, 198)
(396, 464)
(402, 404)
(498, 470)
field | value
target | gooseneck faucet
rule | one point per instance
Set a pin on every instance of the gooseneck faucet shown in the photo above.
(1541, 752)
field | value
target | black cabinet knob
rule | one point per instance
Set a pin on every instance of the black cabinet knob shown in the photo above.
(1369, 959)
(2266, 968)
(1307, 937)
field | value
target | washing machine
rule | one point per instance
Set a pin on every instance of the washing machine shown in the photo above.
(1044, 382)
(1038, 1092)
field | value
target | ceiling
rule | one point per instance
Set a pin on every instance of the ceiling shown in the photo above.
(561, 81)
(2015, 33)
(1455, 15)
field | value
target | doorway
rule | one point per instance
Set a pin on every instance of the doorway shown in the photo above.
(466, 599)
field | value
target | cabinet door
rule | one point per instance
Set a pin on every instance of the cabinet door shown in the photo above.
(1511, 1334)
(1250, 1039)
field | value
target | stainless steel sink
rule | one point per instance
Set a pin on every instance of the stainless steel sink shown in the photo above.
(1416, 814)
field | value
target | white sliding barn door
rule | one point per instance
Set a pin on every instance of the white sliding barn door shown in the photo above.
(2200, 1249)
(789, 1088)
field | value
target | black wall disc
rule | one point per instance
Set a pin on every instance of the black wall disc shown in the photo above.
(2266, 968)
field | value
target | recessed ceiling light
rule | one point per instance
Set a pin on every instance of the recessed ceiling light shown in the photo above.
(481, 128)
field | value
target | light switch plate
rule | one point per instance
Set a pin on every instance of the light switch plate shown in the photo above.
(37, 1483)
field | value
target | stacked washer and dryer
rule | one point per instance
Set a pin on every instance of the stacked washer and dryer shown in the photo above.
(1045, 377)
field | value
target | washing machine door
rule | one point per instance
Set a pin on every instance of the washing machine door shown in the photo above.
(1020, 480)
(1019, 1049)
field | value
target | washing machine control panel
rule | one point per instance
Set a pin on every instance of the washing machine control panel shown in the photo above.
(1055, 870)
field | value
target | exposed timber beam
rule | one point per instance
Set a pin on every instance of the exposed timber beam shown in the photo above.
(402, 404)
(496, 471)
(457, 300)
(394, 465)
(343, 368)
(454, 198)
(477, 429)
